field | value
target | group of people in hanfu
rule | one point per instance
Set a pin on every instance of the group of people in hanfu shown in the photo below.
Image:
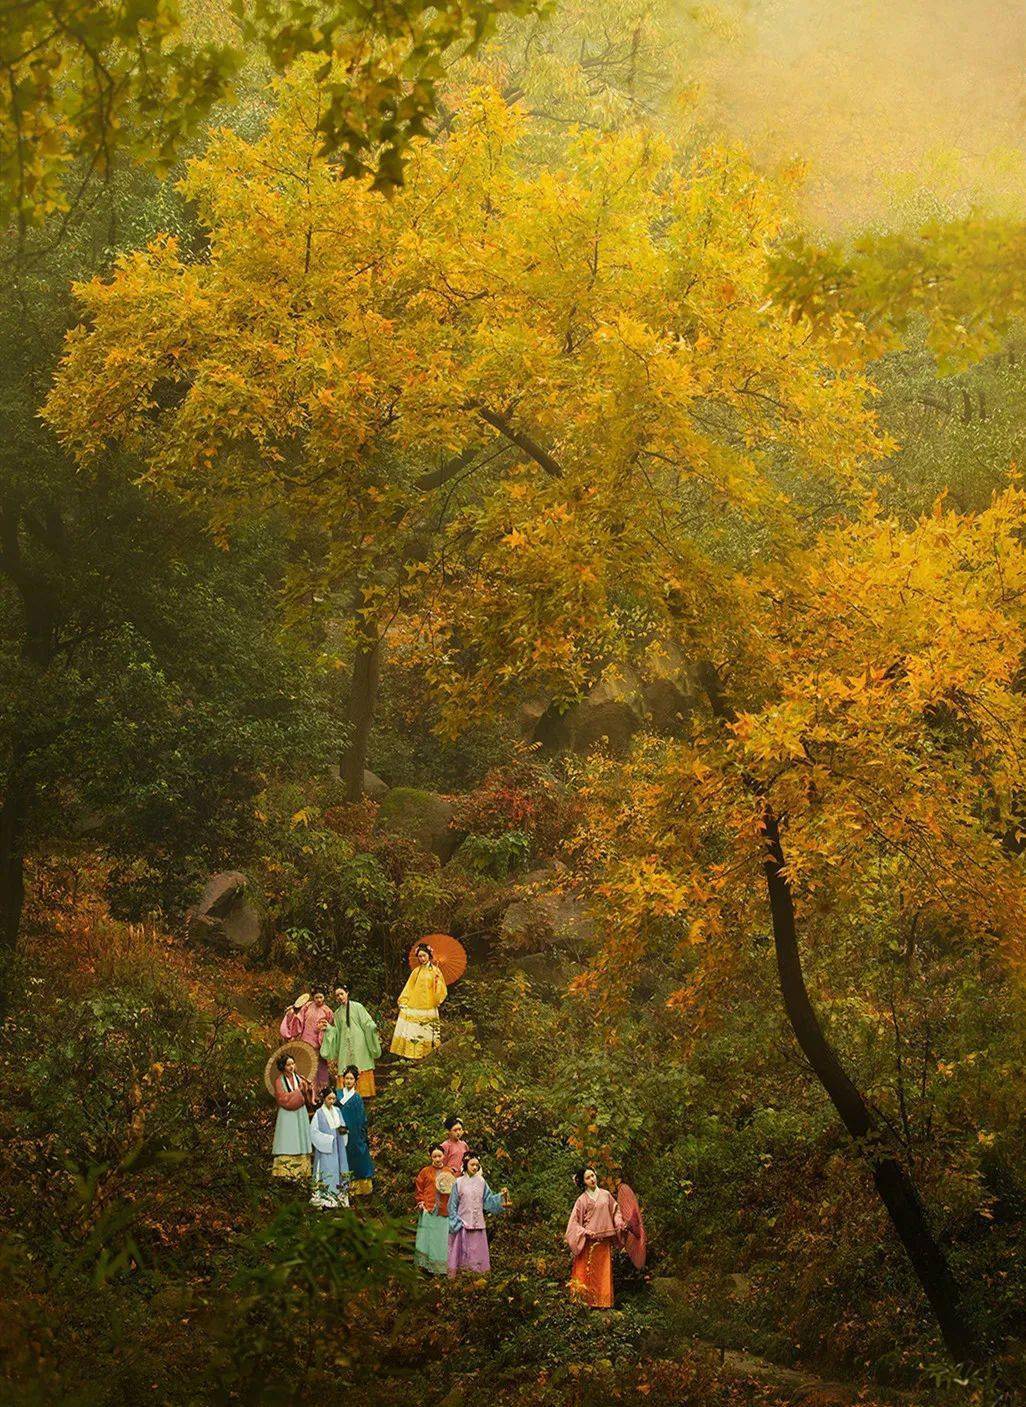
(321, 1137)
(321, 1132)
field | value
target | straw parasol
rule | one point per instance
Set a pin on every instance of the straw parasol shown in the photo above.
(450, 956)
(304, 1055)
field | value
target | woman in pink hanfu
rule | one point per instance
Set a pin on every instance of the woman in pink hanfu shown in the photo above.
(594, 1230)
(308, 1023)
(454, 1148)
(470, 1201)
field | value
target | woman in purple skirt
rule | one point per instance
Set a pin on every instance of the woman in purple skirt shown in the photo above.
(470, 1201)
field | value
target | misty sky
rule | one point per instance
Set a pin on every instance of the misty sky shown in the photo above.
(886, 101)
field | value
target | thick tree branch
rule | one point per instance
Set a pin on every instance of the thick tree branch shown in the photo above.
(441, 476)
(517, 437)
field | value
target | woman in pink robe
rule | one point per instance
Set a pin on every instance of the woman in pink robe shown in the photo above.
(594, 1228)
(308, 1023)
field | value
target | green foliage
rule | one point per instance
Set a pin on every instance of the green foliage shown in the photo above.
(331, 901)
(85, 84)
(497, 857)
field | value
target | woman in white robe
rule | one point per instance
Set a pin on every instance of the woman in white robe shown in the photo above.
(328, 1134)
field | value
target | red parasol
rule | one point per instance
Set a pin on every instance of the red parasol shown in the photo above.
(635, 1241)
(450, 955)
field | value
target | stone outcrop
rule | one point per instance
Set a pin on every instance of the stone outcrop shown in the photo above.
(658, 696)
(226, 916)
(542, 917)
(373, 787)
(423, 817)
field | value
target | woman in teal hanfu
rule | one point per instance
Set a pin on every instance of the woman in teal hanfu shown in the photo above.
(432, 1186)
(351, 1106)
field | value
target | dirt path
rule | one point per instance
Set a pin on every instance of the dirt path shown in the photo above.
(792, 1385)
(797, 1386)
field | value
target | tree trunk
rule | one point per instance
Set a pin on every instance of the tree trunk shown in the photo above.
(13, 816)
(366, 673)
(12, 863)
(893, 1182)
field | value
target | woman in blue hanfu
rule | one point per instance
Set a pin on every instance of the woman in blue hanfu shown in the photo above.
(353, 1110)
(328, 1135)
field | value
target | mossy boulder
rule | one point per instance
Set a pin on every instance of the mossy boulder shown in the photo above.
(423, 817)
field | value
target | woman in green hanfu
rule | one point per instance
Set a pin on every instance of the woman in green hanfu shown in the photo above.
(352, 1038)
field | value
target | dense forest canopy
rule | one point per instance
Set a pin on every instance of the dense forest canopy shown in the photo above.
(547, 474)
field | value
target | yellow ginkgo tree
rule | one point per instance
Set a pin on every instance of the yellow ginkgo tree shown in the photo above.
(564, 375)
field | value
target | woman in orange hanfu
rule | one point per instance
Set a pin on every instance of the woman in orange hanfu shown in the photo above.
(418, 1029)
(594, 1229)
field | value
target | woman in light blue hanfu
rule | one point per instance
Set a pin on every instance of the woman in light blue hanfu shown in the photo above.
(291, 1150)
(328, 1135)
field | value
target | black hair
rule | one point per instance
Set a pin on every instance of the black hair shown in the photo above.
(328, 1089)
(282, 1061)
(356, 1072)
(452, 1119)
(579, 1175)
(439, 1147)
(341, 982)
(425, 948)
(468, 1155)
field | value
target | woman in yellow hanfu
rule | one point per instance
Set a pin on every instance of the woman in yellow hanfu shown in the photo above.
(418, 1029)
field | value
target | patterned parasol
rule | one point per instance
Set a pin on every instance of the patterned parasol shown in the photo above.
(635, 1241)
(450, 956)
(304, 1055)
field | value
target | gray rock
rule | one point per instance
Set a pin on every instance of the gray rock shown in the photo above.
(660, 696)
(373, 786)
(551, 969)
(421, 816)
(542, 917)
(226, 916)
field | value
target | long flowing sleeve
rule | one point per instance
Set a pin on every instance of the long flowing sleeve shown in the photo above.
(425, 1190)
(327, 1016)
(330, 1041)
(322, 1139)
(441, 990)
(404, 995)
(575, 1236)
(454, 1211)
(359, 1124)
(371, 1033)
(291, 1024)
(492, 1201)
